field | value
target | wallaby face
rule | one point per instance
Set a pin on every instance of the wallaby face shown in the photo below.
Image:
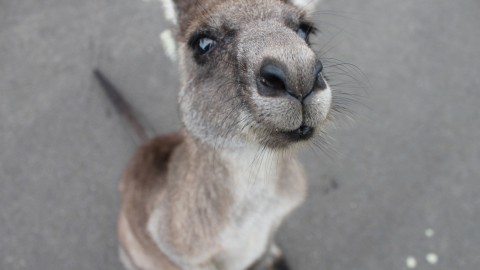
(249, 73)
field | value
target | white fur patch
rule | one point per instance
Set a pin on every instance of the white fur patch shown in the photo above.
(306, 4)
(257, 209)
(169, 45)
(324, 99)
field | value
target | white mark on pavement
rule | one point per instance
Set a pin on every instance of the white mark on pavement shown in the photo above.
(432, 258)
(429, 233)
(411, 262)
(168, 42)
(169, 11)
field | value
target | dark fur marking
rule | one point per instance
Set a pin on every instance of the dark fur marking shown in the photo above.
(281, 264)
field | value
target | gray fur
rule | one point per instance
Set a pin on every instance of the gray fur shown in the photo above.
(206, 198)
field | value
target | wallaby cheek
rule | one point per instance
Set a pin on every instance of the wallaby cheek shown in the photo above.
(317, 107)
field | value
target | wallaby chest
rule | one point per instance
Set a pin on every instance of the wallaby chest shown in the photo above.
(262, 198)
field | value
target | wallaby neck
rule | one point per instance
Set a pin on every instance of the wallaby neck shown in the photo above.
(245, 162)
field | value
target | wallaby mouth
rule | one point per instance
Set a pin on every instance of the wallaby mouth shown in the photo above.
(300, 134)
(279, 139)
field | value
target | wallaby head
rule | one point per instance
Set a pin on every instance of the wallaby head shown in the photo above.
(249, 74)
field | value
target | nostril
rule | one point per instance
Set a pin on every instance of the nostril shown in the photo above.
(272, 80)
(319, 80)
(305, 131)
(318, 68)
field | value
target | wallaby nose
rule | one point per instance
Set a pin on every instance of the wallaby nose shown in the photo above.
(273, 81)
(319, 83)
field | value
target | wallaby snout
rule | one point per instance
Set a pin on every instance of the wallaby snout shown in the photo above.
(289, 95)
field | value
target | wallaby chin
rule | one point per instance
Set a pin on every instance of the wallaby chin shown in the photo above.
(209, 197)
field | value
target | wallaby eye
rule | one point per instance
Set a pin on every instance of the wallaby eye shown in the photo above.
(201, 43)
(204, 45)
(304, 31)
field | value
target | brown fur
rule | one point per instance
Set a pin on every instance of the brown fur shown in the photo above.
(191, 197)
(144, 178)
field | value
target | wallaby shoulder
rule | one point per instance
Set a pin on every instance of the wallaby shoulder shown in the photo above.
(150, 164)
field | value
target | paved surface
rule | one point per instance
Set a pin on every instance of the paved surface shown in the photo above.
(409, 163)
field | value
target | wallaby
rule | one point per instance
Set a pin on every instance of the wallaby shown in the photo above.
(209, 197)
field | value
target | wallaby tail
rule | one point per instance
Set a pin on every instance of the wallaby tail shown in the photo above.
(123, 108)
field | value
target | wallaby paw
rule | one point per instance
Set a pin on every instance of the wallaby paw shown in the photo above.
(280, 264)
(277, 259)
(272, 260)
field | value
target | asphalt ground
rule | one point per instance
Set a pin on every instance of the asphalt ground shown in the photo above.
(400, 190)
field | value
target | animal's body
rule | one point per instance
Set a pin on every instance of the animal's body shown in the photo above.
(213, 195)
(177, 217)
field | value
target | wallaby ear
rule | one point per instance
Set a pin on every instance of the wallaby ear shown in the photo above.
(180, 12)
(306, 4)
(169, 11)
